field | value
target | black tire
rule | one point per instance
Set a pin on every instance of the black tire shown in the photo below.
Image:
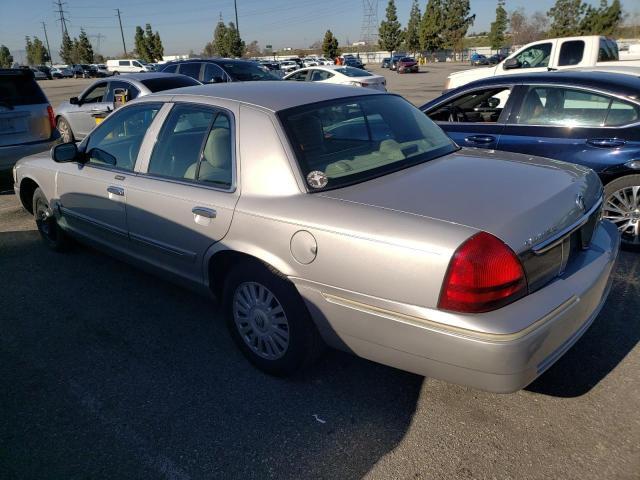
(65, 130)
(116, 73)
(630, 241)
(304, 342)
(50, 231)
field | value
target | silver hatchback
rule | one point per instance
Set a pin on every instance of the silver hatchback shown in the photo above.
(324, 214)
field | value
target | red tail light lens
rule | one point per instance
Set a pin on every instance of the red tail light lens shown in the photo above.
(484, 274)
(52, 117)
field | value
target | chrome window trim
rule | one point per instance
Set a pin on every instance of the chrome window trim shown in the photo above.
(144, 167)
(555, 240)
(636, 103)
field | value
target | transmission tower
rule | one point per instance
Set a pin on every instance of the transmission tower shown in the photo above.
(369, 30)
(98, 37)
(60, 11)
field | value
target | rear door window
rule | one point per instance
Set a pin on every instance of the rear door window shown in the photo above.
(18, 89)
(622, 113)
(299, 76)
(213, 74)
(479, 106)
(170, 69)
(191, 70)
(571, 53)
(124, 63)
(320, 75)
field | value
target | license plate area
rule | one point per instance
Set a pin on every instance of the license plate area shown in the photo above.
(10, 126)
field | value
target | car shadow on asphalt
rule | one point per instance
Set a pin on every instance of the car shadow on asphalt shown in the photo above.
(610, 338)
(109, 371)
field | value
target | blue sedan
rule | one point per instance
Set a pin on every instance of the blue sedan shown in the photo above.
(589, 118)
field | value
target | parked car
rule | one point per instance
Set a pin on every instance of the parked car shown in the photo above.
(61, 72)
(324, 61)
(394, 60)
(288, 66)
(27, 123)
(478, 59)
(496, 58)
(46, 70)
(309, 62)
(386, 62)
(549, 54)
(101, 70)
(219, 70)
(323, 213)
(77, 117)
(84, 71)
(37, 74)
(129, 65)
(354, 62)
(340, 75)
(588, 118)
(407, 65)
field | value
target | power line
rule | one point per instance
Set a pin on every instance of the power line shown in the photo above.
(62, 20)
(98, 36)
(121, 32)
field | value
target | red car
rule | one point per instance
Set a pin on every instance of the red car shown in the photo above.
(407, 65)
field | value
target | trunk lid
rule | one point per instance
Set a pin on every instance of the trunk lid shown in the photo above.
(520, 199)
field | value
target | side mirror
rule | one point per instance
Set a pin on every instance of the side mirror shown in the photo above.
(74, 101)
(64, 153)
(101, 156)
(511, 63)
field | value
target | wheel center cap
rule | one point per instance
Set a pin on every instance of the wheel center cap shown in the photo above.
(260, 320)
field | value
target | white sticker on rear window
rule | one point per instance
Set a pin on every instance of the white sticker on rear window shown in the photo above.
(317, 179)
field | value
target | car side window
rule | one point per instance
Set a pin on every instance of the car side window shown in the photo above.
(479, 106)
(298, 77)
(320, 75)
(191, 70)
(571, 53)
(213, 74)
(559, 106)
(535, 56)
(195, 144)
(132, 91)
(124, 63)
(117, 140)
(171, 69)
(96, 94)
(622, 113)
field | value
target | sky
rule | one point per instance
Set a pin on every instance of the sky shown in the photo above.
(186, 25)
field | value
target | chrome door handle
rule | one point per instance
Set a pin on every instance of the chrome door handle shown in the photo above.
(480, 139)
(116, 190)
(204, 212)
(606, 142)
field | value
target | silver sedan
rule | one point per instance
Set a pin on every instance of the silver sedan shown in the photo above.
(322, 214)
(77, 117)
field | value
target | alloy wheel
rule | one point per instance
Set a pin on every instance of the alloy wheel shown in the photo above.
(261, 320)
(623, 209)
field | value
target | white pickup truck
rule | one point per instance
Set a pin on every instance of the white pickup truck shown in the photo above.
(549, 54)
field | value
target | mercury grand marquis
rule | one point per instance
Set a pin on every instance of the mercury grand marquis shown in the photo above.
(322, 214)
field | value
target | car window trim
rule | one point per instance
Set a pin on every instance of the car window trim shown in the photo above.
(511, 121)
(504, 115)
(166, 111)
(92, 88)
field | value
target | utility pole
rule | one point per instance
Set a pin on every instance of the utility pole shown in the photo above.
(121, 32)
(63, 21)
(44, 26)
(235, 6)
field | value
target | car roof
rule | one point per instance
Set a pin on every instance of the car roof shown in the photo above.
(271, 95)
(145, 76)
(213, 60)
(619, 83)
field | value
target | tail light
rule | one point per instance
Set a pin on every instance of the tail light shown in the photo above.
(52, 117)
(484, 275)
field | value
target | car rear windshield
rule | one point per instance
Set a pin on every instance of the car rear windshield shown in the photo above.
(19, 89)
(158, 84)
(349, 140)
(407, 59)
(353, 72)
(246, 71)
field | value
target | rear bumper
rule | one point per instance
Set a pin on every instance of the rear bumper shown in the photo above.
(11, 154)
(494, 362)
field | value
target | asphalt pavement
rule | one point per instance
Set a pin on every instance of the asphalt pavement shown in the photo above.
(107, 372)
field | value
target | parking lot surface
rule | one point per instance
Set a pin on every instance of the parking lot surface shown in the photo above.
(108, 372)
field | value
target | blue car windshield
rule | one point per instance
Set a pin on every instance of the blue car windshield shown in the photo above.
(349, 140)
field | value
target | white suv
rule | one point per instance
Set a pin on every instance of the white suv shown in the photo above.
(130, 65)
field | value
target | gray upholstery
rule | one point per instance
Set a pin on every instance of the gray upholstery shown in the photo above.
(216, 159)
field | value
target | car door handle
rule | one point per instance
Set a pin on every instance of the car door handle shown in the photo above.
(606, 142)
(480, 139)
(204, 212)
(116, 190)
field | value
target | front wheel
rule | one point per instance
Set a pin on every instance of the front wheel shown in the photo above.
(269, 321)
(65, 130)
(622, 207)
(116, 73)
(48, 227)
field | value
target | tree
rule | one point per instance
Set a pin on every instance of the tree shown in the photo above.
(141, 47)
(431, 26)
(412, 34)
(29, 50)
(456, 22)
(209, 50)
(390, 31)
(253, 49)
(603, 20)
(36, 52)
(330, 45)
(234, 44)
(84, 50)
(498, 27)
(6, 60)
(220, 40)
(66, 49)
(565, 18)
(158, 48)
(525, 31)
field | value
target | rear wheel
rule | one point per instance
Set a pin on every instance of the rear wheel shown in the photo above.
(48, 228)
(622, 207)
(65, 130)
(268, 320)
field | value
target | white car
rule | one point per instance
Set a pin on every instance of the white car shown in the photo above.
(288, 66)
(310, 62)
(130, 65)
(339, 74)
(324, 61)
